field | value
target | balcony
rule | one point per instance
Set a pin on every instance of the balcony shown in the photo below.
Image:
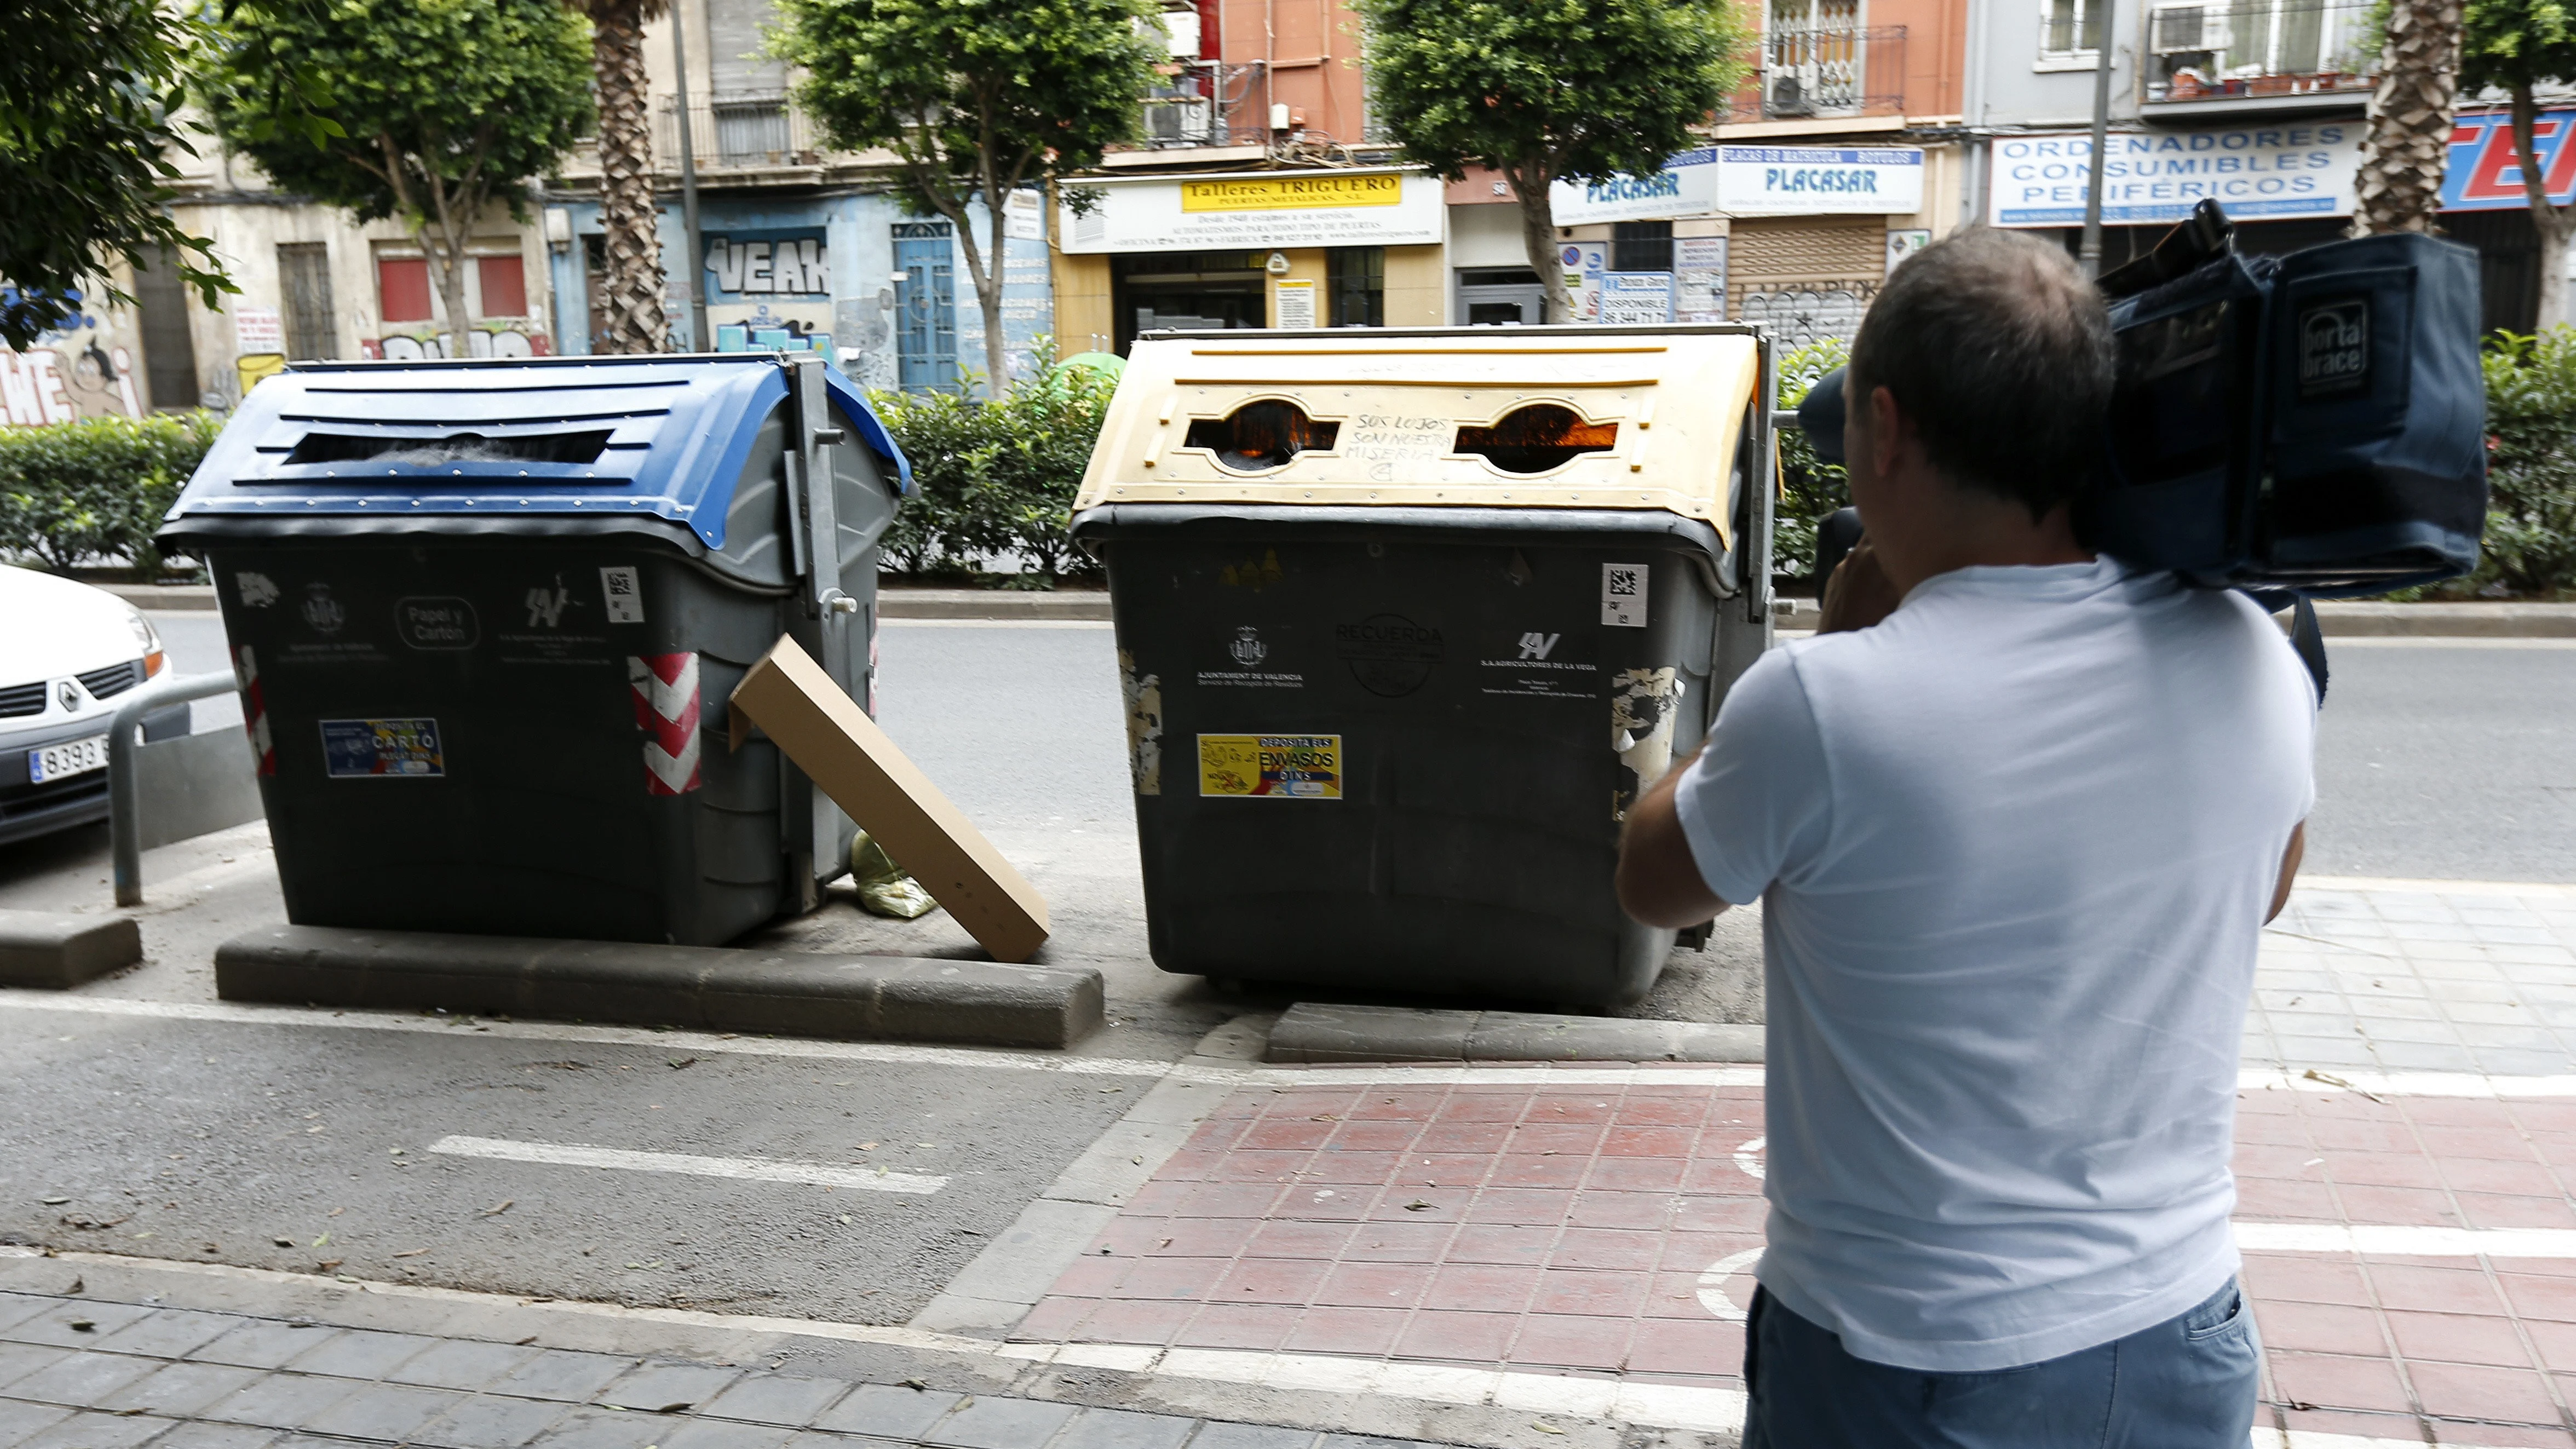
(2260, 56)
(1203, 103)
(738, 132)
(1819, 62)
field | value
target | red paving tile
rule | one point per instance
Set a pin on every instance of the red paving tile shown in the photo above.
(1566, 1229)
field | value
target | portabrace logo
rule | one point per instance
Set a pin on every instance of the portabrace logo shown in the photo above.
(1535, 645)
(2334, 347)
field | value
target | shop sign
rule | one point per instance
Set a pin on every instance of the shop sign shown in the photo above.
(1699, 278)
(2485, 172)
(2156, 177)
(1267, 209)
(1686, 187)
(1820, 180)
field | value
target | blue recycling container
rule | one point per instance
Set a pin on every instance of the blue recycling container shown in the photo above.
(486, 616)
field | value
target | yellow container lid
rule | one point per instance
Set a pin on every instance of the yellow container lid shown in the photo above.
(1517, 417)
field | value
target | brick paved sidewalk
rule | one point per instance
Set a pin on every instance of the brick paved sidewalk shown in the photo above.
(1598, 1226)
(79, 1373)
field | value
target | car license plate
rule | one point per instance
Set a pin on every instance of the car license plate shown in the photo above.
(71, 757)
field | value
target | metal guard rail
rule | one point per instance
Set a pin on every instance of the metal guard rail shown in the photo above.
(124, 808)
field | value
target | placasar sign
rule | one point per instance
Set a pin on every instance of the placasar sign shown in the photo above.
(2153, 178)
(1266, 209)
(1686, 187)
(1820, 180)
(2485, 173)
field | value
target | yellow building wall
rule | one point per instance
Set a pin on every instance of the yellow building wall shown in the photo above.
(1417, 290)
(1083, 321)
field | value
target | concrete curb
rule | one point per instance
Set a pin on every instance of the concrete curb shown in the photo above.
(183, 598)
(992, 604)
(892, 998)
(1322, 1032)
(41, 949)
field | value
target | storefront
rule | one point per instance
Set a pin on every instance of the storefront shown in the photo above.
(1357, 247)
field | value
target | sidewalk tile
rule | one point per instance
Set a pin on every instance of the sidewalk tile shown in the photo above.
(2498, 1210)
(263, 1343)
(213, 1436)
(559, 1373)
(2465, 1391)
(2457, 1338)
(888, 1411)
(656, 1386)
(2320, 1327)
(2448, 1289)
(54, 1326)
(603, 1429)
(1149, 1321)
(169, 1333)
(18, 1360)
(1251, 1436)
(360, 1353)
(1121, 1429)
(382, 1411)
(1272, 1280)
(1590, 1294)
(724, 1434)
(999, 1424)
(2339, 1381)
(1260, 1327)
(460, 1363)
(1191, 1278)
(1709, 1347)
(1423, 1240)
(485, 1422)
(279, 1401)
(21, 1421)
(1367, 1332)
(1484, 1287)
(100, 1431)
(180, 1390)
(1553, 1341)
(83, 1379)
(1373, 1285)
(1458, 1337)
(17, 1308)
(775, 1399)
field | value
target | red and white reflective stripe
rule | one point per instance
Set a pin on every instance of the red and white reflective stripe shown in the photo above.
(254, 710)
(666, 709)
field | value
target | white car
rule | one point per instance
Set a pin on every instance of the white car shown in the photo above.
(67, 652)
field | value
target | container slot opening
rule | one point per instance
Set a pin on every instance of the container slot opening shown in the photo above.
(581, 447)
(1261, 435)
(1536, 438)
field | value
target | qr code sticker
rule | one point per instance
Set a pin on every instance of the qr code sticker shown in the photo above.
(625, 596)
(1623, 595)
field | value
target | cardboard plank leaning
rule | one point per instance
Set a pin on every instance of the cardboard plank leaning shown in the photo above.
(833, 741)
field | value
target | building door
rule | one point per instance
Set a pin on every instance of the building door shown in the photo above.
(1187, 291)
(169, 353)
(1500, 297)
(925, 306)
(304, 287)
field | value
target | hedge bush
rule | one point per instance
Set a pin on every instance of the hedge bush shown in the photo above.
(93, 490)
(995, 480)
(2530, 548)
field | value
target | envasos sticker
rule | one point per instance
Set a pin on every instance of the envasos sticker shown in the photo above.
(1301, 767)
(360, 749)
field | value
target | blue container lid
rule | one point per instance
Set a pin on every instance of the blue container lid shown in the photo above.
(659, 437)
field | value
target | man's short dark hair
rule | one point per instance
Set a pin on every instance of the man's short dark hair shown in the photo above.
(1999, 352)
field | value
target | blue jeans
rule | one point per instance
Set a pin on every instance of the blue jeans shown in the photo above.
(2187, 1383)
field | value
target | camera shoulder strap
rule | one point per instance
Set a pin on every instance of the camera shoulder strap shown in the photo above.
(2310, 641)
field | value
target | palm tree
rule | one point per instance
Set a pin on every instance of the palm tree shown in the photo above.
(2399, 187)
(628, 217)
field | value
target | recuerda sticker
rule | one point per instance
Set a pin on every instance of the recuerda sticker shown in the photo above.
(1389, 654)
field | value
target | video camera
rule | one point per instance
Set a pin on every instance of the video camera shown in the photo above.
(2314, 423)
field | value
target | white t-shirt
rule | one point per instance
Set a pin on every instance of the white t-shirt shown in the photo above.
(2014, 846)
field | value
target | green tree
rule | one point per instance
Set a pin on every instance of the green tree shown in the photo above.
(444, 107)
(88, 94)
(2517, 46)
(1550, 90)
(630, 223)
(975, 98)
(2407, 146)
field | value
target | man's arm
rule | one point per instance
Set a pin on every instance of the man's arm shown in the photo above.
(2290, 859)
(1659, 880)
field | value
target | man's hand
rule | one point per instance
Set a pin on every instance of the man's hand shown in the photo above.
(1859, 594)
(1659, 880)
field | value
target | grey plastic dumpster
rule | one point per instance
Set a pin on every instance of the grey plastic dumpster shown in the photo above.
(1406, 620)
(486, 616)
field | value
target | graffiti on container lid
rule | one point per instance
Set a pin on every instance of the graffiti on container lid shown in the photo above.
(1144, 695)
(257, 591)
(1292, 767)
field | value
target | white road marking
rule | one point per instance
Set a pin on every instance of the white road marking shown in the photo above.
(1749, 1157)
(748, 1169)
(1712, 1284)
(2444, 641)
(887, 623)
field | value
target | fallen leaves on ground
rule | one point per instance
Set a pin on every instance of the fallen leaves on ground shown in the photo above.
(411, 1252)
(498, 1208)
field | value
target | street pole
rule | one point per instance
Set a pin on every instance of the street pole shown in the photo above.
(2088, 255)
(693, 268)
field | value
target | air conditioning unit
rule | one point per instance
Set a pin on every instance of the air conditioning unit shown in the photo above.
(1789, 98)
(2187, 29)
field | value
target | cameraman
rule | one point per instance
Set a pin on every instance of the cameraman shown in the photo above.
(2017, 817)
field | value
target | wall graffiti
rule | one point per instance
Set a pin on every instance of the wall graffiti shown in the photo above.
(503, 340)
(81, 370)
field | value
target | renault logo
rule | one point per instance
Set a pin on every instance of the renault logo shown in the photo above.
(69, 694)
